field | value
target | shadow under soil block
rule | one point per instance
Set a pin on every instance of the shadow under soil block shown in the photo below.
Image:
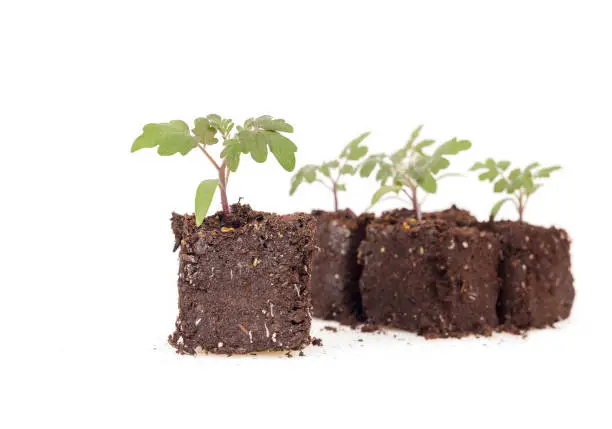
(537, 286)
(244, 283)
(335, 271)
(431, 277)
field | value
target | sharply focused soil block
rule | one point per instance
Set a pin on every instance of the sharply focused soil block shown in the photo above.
(537, 286)
(335, 271)
(244, 282)
(432, 277)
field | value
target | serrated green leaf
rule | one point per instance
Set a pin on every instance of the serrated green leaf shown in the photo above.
(353, 151)
(341, 187)
(545, 172)
(427, 182)
(204, 195)
(309, 172)
(368, 166)
(204, 131)
(501, 185)
(268, 123)
(324, 169)
(282, 148)
(382, 192)
(497, 206)
(478, 166)
(491, 164)
(357, 153)
(503, 165)
(347, 169)
(170, 138)
(232, 151)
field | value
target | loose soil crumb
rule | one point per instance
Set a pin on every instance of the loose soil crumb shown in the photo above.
(370, 327)
(331, 328)
(317, 342)
(289, 355)
(301, 353)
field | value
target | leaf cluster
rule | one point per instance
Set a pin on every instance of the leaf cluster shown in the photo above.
(331, 172)
(412, 166)
(519, 183)
(257, 137)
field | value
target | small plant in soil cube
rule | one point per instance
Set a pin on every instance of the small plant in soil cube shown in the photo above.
(537, 286)
(519, 184)
(411, 168)
(244, 276)
(255, 137)
(335, 271)
(331, 173)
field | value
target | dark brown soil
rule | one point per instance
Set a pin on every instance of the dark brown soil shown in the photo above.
(335, 271)
(317, 342)
(431, 277)
(537, 286)
(453, 215)
(331, 328)
(244, 282)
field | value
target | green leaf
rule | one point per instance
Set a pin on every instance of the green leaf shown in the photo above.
(172, 137)
(204, 131)
(224, 126)
(268, 123)
(503, 165)
(423, 144)
(232, 152)
(415, 135)
(427, 182)
(488, 175)
(439, 164)
(545, 172)
(368, 166)
(382, 192)
(353, 151)
(309, 172)
(498, 205)
(204, 195)
(296, 181)
(324, 169)
(341, 187)
(532, 166)
(384, 172)
(283, 149)
(452, 147)
(532, 191)
(347, 169)
(478, 166)
(491, 164)
(501, 185)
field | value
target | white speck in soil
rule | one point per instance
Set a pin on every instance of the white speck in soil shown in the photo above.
(465, 244)
(220, 344)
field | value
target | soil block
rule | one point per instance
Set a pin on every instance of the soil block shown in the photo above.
(537, 286)
(335, 271)
(244, 282)
(432, 277)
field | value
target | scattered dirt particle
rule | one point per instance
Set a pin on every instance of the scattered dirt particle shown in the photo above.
(301, 353)
(289, 355)
(331, 328)
(317, 342)
(370, 327)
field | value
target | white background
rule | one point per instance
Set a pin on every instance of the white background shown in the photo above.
(86, 271)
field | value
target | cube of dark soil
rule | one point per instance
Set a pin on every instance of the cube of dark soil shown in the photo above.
(430, 277)
(537, 286)
(244, 284)
(335, 271)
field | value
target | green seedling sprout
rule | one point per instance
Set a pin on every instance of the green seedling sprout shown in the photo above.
(330, 173)
(519, 184)
(256, 136)
(411, 168)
